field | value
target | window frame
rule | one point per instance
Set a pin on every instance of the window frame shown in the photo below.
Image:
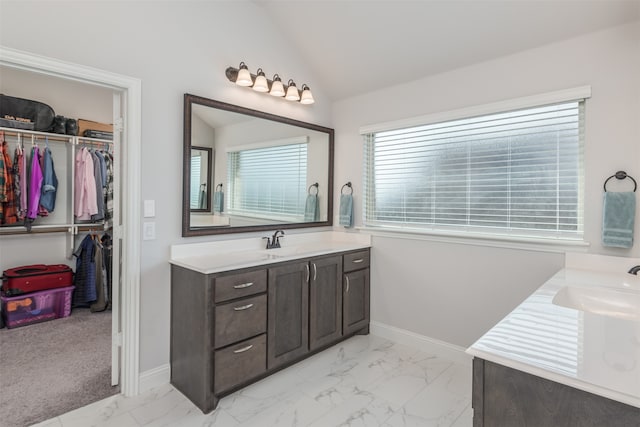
(491, 237)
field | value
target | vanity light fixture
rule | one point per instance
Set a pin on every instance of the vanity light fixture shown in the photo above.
(292, 92)
(260, 84)
(242, 77)
(307, 96)
(277, 88)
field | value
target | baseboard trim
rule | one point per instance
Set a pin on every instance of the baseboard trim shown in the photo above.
(421, 342)
(154, 377)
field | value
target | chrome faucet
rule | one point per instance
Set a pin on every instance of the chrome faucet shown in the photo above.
(274, 241)
(634, 270)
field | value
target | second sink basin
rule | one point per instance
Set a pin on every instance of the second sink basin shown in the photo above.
(620, 303)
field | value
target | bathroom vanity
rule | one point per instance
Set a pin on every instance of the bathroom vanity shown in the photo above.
(240, 312)
(569, 355)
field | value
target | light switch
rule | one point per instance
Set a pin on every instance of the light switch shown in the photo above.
(149, 231)
(149, 208)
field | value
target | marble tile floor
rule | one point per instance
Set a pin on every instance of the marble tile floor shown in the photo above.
(363, 381)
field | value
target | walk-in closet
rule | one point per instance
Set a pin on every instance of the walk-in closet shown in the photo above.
(77, 353)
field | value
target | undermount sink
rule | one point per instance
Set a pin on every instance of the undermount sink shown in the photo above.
(619, 303)
(287, 251)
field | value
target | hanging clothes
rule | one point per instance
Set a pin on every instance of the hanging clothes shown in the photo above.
(84, 278)
(97, 174)
(20, 182)
(8, 211)
(35, 185)
(49, 183)
(108, 191)
(85, 203)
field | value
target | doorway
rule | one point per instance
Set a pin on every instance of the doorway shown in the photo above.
(126, 255)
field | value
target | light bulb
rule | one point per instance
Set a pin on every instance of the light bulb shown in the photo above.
(260, 85)
(292, 91)
(244, 77)
(277, 88)
(307, 96)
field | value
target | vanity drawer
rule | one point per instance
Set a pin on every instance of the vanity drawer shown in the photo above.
(240, 285)
(240, 362)
(356, 261)
(239, 320)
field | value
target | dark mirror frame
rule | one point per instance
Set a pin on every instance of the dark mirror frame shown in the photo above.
(209, 187)
(187, 230)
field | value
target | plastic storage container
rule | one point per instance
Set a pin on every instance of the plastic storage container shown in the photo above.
(36, 307)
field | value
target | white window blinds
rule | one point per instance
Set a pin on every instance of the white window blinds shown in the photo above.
(268, 181)
(517, 172)
(196, 193)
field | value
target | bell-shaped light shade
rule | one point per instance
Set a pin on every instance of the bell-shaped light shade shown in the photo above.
(307, 96)
(277, 88)
(292, 92)
(244, 76)
(260, 85)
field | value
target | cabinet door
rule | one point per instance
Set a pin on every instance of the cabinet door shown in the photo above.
(355, 314)
(288, 313)
(325, 301)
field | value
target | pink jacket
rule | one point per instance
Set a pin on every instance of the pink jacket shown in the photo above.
(85, 202)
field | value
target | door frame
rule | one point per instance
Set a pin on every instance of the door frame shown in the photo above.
(131, 91)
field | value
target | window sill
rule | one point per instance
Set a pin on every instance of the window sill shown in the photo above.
(478, 239)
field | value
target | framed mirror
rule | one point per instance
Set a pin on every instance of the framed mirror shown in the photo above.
(261, 171)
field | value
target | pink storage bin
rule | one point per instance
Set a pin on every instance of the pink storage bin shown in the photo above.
(35, 307)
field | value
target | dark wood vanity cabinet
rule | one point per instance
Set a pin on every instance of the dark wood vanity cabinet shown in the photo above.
(356, 287)
(325, 301)
(232, 328)
(504, 396)
(288, 336)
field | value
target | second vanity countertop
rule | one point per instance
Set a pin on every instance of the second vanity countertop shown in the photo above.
(597, 353)
(224, 255)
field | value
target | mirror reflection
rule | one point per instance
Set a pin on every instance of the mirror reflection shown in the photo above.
(201, 171)
(248, 170)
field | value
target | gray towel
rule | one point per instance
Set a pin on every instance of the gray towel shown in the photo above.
(619, 211)
(218, 201)
(346, 210)
(311, 209)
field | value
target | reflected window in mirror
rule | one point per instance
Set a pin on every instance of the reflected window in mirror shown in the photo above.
(200, 179)
(269, 182)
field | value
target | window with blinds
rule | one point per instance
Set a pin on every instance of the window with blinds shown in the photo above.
(518, 172)
(268, 182)
(196, 193)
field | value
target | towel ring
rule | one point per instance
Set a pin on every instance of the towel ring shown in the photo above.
(313, 185)
(348, 184)
(621, 175)
(219, 185)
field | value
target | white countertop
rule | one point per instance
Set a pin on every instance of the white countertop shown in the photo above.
(596, 353)
(224, 255)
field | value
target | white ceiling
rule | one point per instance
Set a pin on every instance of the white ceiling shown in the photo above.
(357, 46)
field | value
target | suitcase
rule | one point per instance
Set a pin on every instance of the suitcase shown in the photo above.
(37, 277)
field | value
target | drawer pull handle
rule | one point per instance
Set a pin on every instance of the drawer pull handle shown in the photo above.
(243, 285)
(315, 271)
(347, 290)
(358, 261)
(243, 349)
(243, 307)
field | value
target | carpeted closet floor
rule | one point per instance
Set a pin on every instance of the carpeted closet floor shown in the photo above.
(50, 368)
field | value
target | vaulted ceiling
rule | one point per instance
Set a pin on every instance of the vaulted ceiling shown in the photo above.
(357, 46)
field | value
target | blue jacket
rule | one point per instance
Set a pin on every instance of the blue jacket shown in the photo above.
(49, 183)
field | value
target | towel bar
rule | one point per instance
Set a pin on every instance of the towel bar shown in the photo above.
(621, 175)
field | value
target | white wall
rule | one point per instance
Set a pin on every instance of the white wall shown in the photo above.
(174, 48)
(456, 292)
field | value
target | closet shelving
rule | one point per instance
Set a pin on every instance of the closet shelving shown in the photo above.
(63, 149)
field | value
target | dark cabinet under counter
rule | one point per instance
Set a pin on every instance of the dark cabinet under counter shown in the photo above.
(232, 328)
(504, 396)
